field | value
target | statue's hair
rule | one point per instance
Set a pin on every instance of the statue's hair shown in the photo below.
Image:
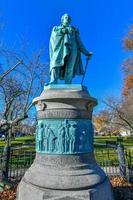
(63, 17)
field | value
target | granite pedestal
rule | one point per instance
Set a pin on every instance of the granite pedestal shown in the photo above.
(65, 167)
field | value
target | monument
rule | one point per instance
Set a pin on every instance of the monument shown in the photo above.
(65, 167)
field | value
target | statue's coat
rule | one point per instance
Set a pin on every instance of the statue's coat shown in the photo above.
(65, 51)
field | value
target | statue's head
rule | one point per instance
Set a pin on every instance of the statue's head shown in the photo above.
(65, 19)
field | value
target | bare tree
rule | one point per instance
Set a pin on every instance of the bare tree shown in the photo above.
(17, 89)
(10, 70)
(18, 86)
(121, 112)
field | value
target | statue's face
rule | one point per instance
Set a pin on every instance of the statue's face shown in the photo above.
(66, 20)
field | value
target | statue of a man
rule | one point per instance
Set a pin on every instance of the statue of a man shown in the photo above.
(65, 52)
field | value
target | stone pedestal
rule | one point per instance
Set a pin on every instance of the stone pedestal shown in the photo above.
(64, 167)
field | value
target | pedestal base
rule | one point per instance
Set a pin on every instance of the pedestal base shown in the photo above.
(56, 177)
(65, 167)
(28, 191)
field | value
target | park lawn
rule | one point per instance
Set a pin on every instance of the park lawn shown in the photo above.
(28, 140)
(28, 143)
(127, 142)
(109, 155)
(102, 153)
(19, 141)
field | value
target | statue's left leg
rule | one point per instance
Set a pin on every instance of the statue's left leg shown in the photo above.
(68, 75)
(70, 67)
(54, 75)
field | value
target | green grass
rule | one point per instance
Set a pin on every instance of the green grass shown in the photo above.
(19, 141)
(97, 139)
(102, 153)
(127, 142)
(109, 155)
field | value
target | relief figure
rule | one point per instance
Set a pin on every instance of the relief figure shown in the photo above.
(61, 139)
(73, 137)
(51, 140)
(40, 137)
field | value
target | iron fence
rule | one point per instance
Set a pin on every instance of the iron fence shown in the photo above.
(14, 164)
(129, 161)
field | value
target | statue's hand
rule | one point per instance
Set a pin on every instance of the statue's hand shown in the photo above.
(89, 55)
(70, 29)
(64, 30)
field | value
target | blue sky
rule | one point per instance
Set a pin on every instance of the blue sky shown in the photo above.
(102, 25)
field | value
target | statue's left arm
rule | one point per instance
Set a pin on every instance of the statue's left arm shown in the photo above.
(81, 45)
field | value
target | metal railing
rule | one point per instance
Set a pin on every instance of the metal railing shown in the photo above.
(14, 164)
